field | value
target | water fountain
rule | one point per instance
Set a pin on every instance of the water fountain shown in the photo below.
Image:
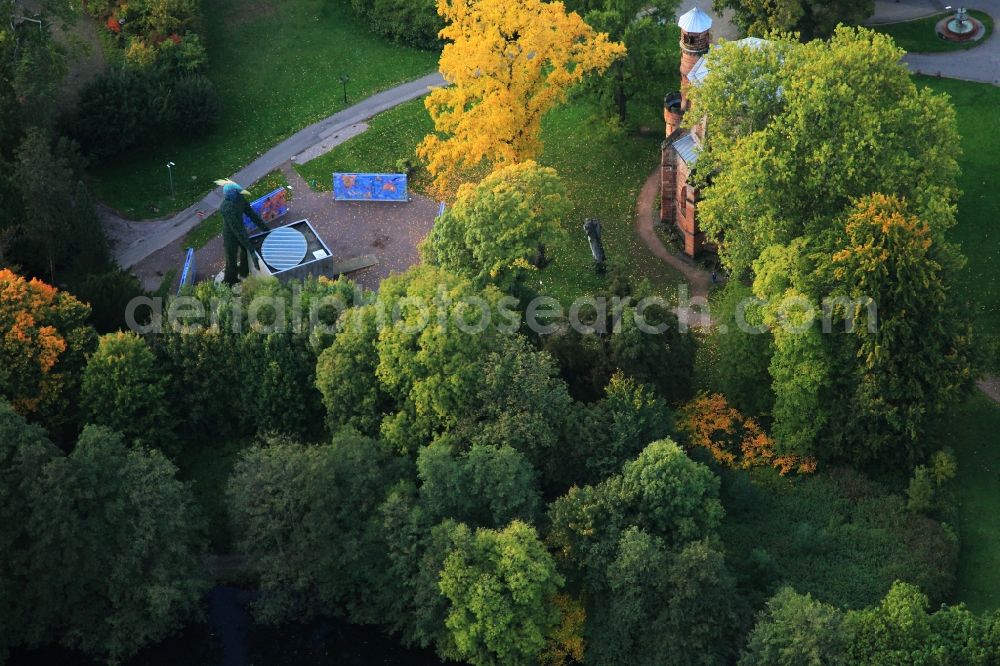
(961, 27)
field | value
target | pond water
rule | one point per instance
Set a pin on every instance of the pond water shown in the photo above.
(229, 637)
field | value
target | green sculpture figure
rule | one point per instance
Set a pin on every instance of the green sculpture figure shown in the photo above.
(234, 234)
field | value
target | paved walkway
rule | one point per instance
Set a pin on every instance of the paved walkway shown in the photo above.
(980, 63)
(895, 11)
(133, 241)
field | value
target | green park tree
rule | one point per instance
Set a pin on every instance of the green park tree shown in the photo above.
(345, 375)
(135, 540)
(825, 215)
(644, 28)
(848, 122)
(795, 629)
(496, 230)
(485, 486)
(901, 630)
(123, 389)
(46, 181)
(917, 362)
(426, 362)
(632, 417)
(654, 522)
(520, 401)
(501, 586)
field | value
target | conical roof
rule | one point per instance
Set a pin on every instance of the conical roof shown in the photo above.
(695, 21)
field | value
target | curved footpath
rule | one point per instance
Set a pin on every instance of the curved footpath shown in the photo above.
(645, 217)
(134, 241)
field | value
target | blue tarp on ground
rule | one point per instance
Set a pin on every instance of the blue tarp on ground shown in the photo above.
(369, 187)
(271, 206)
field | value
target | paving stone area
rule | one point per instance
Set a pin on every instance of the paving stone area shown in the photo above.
(391, 231)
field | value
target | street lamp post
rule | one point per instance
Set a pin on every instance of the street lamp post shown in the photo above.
(344, 78)
(170, 172)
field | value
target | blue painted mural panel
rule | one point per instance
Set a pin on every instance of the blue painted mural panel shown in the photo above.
(188, 273)
(271, 206)
(369, 187)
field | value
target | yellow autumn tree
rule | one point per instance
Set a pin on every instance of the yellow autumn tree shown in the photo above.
(508, 63)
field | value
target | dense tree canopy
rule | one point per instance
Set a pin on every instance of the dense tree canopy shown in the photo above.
(26, 614)
(654, 522)
(305, 515)
(848, 122)
(102, 548)
(123, 390)
(509, 64)
(485, 485)
(833, 184)
(135, 538)
(796, 629)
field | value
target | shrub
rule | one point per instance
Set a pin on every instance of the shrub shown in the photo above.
(180, 56)
(194, 106)
(116, 112)
(839, 536)
(108, 295)
(413, 22)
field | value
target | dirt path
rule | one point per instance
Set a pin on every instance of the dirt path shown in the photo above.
(645, 217)
(698, 279)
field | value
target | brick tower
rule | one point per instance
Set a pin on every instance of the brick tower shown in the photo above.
(678, 200)
(696, 35)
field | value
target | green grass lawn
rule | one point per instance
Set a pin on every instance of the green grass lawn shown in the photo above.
(211, 226)
(978, 209)
(973, 429)
(920, 36)
(972, 432)
(275, 66)
(603, 168)
(390, 137)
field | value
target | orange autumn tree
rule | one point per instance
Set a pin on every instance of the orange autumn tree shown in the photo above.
(44, 337)
(508, 64)
(733, 439)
